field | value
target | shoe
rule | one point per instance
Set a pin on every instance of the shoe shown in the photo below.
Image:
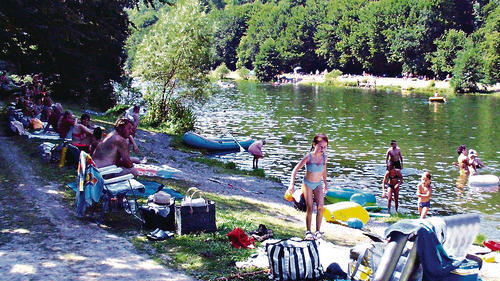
(153, 233)
(309, 235)
(318, 235)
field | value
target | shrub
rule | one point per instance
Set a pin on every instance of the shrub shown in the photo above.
(243, 73)
(116, 111)
(175, 118)
(221, 71)
(332, 75)
(466, 72)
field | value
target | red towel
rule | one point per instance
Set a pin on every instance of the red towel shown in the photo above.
(239, 239)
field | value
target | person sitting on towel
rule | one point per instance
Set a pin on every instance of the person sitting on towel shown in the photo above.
(113, 150)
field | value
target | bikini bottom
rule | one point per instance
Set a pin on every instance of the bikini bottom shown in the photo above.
(312, 185)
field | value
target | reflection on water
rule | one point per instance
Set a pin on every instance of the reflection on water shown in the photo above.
(360, 125)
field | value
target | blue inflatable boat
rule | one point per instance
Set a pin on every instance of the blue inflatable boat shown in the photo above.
(215, 144)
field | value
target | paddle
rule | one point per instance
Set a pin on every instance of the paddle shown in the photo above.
(236, 141)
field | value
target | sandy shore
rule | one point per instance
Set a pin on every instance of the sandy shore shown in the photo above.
(370, 81)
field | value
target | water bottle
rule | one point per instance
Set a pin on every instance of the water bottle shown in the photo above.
(62, 160)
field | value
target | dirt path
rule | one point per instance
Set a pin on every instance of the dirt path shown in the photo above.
(40, 239)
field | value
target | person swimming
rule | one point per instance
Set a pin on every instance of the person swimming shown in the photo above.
(314, 184)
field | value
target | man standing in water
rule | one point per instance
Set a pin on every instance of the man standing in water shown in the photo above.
(113, 150)
(394, 156)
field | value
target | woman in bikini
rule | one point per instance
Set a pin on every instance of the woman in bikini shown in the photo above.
(314, 184)
(394, 179)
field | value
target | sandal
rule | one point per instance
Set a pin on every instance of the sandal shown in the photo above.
(309, 235)
(318, 235)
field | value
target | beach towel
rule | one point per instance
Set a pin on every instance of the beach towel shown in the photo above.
(160, 171)
(44, 135)
(435, 262)
(89, 184)
(150, 187)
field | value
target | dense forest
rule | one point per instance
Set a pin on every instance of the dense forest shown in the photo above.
(83, 46)
(435, 38)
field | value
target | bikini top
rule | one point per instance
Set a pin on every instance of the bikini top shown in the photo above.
(315, 167)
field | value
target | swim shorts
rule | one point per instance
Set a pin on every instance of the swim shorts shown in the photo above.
(424, 204)
(396, 164)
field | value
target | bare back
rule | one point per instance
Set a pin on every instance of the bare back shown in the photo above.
(112, 150)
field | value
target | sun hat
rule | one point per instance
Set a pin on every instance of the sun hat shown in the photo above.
(472, 152)
(161, 198)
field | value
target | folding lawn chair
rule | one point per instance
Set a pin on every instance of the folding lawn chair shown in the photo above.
(113, 192)
(451, 237)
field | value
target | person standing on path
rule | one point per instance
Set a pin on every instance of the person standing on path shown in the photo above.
(394, 156)
(394, 179)
(256, 150)
(314, 183)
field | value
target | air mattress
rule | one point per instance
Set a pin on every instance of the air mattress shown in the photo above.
(483, 180)
(343, 211)
(335, 195)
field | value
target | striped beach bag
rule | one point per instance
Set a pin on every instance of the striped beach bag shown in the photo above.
(294, 259)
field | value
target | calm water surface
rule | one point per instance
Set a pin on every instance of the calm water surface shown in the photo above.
(360, 125)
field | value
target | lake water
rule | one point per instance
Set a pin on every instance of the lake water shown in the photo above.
(360, 125)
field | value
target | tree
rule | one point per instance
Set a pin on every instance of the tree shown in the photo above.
(81, 42)
(491, 47)
(267, 61)
(175, 55)
(448, 45)
(467, 69)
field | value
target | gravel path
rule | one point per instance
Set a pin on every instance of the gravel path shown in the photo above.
(41, 239)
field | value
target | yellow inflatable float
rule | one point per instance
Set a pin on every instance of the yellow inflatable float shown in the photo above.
(343, 211)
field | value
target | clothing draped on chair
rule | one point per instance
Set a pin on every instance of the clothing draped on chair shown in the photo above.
(90, 184)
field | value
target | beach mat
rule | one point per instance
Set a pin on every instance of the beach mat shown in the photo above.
(160, 171)
(44, 135)
(151, 187)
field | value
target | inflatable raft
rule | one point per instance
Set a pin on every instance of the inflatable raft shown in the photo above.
(343, 211)
(480, 180)
(437, 99)
(215, 144)
(335, 195)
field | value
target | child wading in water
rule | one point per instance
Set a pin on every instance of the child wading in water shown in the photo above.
(424, 191)
(394, 179)
(314, 183)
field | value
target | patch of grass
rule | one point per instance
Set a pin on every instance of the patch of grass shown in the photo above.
(480, 238)
(397, 217)
(209, 256)
(231, 168)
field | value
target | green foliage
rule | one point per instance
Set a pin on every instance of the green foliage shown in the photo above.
(267, 61)
(116, 111)
(78, 44)
(480, 238)
(332, 75)
(177, 118)
(221, 71)
(175, 57)
(491, 47)
(467, 69)
(448, 45)
(243, 73)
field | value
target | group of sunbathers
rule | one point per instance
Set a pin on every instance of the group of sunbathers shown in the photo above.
(37, 110)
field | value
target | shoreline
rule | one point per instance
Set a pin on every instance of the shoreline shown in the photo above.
(369, 81)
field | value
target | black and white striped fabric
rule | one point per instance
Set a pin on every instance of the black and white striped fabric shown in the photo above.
(293, 259)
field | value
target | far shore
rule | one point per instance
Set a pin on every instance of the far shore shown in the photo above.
(370, 81)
